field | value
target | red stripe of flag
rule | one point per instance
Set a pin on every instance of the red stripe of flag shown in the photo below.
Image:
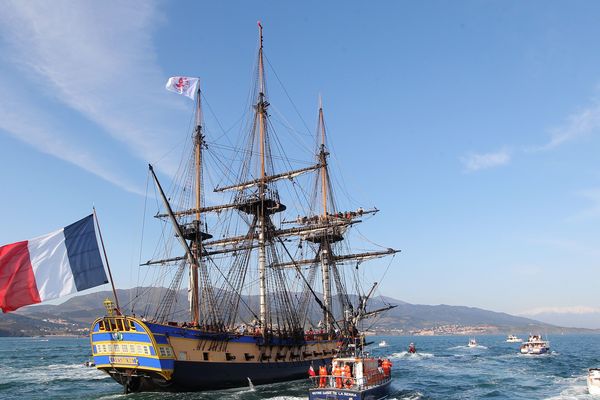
(17, 282)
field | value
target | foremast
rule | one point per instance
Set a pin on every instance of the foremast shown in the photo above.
(327, 238)
(325, 245)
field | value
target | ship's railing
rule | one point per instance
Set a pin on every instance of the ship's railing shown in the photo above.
(349, 382)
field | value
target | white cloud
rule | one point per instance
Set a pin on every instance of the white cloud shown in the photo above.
(45, 136)
(561, 310)
(580, 124)
(476, 162)
(97, 58)
(577, 125)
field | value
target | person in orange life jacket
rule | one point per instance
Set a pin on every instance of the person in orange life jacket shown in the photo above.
(348, 382)
(337, 372)
(387, 367)
(322, 376)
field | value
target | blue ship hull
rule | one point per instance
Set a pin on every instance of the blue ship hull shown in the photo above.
(143, 356)
(194, 376)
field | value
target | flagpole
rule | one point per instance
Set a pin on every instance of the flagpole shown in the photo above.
(112, 283)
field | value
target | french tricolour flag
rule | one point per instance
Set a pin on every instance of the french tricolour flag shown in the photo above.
(50, 266)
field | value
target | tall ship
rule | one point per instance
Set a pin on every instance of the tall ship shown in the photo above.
(273, 284)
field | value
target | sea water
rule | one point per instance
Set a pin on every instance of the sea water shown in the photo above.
(443, 368)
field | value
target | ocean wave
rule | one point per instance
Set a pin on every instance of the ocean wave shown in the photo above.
(465, 347)
(51, 373)
(414, 356)
(576, 389)
(411, 396)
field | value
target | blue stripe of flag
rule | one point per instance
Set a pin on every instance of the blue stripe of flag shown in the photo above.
(84, 254)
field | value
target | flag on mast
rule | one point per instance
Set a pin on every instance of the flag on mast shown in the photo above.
(54, 265)
(183, 85)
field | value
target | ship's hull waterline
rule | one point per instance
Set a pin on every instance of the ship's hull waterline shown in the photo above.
(156, 357)
(200, 376)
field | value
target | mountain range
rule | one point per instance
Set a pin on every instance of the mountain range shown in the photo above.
(75, 315)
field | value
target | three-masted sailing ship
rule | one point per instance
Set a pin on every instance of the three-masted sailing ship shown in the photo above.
(258, 279)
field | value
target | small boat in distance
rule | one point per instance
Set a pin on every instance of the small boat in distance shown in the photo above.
(472, 343)
(535, 345)
(383, 343)
(593, 380)
(513, 339)
(412, 349)
(361, 377)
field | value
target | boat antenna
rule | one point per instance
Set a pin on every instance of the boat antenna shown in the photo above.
(112, 282)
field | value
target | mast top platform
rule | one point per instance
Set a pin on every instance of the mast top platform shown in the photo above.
(254, 206)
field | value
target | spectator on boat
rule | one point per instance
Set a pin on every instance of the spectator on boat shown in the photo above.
(387, 367)
(322, 376)
(348, 381)
(337, 372)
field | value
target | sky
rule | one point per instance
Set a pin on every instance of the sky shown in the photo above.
(473, 125)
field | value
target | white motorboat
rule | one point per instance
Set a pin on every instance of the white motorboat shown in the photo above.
(357, 378)
(593, 380)
(535, 345)
(383, 343)
(472, 343)
(513, 339)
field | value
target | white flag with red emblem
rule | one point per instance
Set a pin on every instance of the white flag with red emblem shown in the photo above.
(183, 85)
(311, 371)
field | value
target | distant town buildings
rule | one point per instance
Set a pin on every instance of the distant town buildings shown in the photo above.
(441, 330)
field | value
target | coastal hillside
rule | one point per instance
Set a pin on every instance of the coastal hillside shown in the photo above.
(75, 315)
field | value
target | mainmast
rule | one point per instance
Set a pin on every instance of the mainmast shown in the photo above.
(326, 247)
(261, 110)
